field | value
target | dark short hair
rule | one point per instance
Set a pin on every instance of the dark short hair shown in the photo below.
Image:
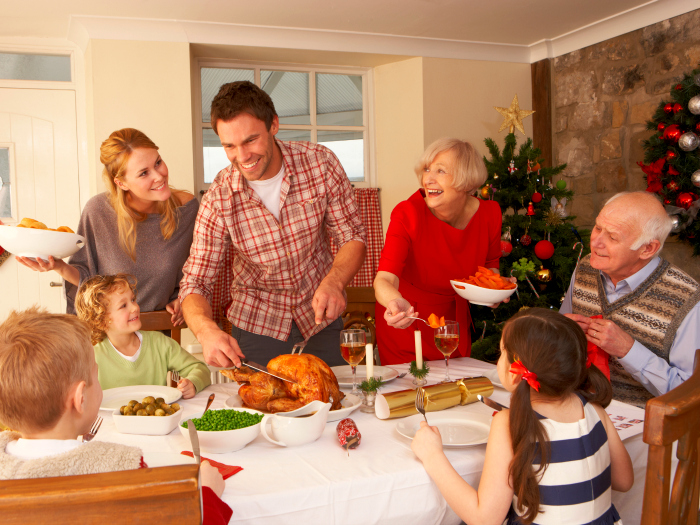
(239, 97)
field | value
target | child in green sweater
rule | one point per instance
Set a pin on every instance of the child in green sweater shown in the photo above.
(126, 356)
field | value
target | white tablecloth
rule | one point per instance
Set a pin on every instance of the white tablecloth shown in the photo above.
(379, 482)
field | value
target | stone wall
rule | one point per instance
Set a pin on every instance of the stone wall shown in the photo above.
(603, 95)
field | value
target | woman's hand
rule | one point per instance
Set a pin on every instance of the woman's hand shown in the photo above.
(187, 388)
(39, 264)
(507, 299)
(211, 477)
(174, 309)
(427, 442)
(396, 312)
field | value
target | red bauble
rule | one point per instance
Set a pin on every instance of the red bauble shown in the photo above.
(679, 87)
(685, 199)
(525, 240)
(536, 197)
(661, 126)
(530, 209)
(668, 108)
(671, 155)
(544, 249)
(672, 186)
(672, 133)
(506, 248)
(676, 108)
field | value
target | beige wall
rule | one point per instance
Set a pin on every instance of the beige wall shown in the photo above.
(143, 85)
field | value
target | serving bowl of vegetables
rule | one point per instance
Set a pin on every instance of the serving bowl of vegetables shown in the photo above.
(149, 417)
(224, 429)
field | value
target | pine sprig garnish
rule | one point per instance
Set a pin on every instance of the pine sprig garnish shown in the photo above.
(371, 384)
(419, 374)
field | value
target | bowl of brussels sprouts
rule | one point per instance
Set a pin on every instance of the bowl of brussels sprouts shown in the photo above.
(151, 416)
(224, 429)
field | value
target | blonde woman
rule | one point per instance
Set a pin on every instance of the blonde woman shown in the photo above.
(140, 226)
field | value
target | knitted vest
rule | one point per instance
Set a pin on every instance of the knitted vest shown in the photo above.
(91, 458)
(651, 314)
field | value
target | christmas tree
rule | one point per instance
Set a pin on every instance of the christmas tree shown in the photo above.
(539, 245)
(672, 158)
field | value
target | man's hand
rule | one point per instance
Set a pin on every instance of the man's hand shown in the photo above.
(328, 302)
(583, 321)
(219, 348)
(610, 337)
(173, 308)
(396, 312)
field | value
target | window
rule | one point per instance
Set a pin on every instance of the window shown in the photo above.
(6, 177)
(19, 66)
(316, 104)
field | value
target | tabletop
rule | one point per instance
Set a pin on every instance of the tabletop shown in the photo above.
(381, 481)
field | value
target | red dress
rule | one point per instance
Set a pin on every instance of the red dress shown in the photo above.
(425, 253)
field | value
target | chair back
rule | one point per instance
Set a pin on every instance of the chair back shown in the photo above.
(674, 416)
(151, 495)
(160, 320)
(360, 309)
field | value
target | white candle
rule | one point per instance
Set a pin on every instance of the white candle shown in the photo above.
(369, 354)
(419, 350)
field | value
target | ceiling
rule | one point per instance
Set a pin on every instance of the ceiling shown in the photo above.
(492, 22)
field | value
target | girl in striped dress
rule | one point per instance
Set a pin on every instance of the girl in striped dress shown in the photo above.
(555, 456)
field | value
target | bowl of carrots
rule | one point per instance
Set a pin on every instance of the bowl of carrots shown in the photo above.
(484, 288)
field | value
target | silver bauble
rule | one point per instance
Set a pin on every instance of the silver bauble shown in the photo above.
(697, 79)
(676, 221)
(695, 178)
(688, 141)
(694, 105)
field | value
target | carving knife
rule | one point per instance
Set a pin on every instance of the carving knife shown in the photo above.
(255, 366)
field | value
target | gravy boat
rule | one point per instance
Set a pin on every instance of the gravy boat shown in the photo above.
(298, 427)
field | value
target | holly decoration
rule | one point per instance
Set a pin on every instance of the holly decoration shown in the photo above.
(669, 165)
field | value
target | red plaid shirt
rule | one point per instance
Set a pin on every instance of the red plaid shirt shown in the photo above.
(277, 266)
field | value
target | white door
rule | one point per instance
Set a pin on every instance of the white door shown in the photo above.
(41, 126)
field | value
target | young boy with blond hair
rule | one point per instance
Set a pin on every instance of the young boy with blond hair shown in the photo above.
(50, 395)
(127, 356)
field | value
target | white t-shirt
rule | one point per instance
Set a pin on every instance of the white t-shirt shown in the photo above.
(270, 191)
(27, 449)
(134, 357)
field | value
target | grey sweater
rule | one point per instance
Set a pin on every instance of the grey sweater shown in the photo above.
(158, 265)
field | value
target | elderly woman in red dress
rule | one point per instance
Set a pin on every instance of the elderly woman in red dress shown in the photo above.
(441, 232)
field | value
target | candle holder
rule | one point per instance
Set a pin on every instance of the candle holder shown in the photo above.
(368, 399)
(419, 374)
(369, 390)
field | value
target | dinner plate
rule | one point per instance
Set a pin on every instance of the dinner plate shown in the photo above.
(350, 403)
(114, 398)
(165, 459)
(344, 374)
(458, 429)
(492, 375)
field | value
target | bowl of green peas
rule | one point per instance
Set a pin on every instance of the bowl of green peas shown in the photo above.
(223, 430)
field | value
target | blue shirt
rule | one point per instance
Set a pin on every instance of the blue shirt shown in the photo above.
(652, 371)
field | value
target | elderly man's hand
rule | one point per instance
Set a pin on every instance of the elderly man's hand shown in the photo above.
(583, 321)
(610, 337)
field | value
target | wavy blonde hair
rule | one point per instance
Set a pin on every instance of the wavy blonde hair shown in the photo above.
(114, 154)
(92, 301)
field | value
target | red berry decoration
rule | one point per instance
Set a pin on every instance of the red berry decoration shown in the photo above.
(697, 128)
(671, 155)
(661, 126)
(685, 200)
(679, 87)
(668, 108)
(544, 249)
(667, 201)
(676, 108)
(506, 248)
(672, 186)
(672, 133)
(536, 197)
(673, 171)
(525, 240)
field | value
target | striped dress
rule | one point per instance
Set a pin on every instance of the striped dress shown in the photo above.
(576, 486)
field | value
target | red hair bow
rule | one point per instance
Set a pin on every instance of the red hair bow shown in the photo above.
(518, 368)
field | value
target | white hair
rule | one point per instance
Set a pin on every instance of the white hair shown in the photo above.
(654, 226)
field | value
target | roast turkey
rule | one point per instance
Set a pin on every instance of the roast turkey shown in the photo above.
(314, 381)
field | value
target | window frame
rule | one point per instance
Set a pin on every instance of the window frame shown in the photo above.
(367, 127)
(14, 218)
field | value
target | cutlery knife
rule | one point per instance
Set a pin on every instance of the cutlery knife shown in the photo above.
(194, 440)
(491, 403)
(255, 366)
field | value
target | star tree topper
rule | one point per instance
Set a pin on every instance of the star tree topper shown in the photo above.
(513, 116)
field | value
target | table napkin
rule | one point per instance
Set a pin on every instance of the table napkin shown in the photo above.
(226, 471)
(598, 356)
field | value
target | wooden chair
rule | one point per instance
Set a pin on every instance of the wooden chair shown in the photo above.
(160, 320)
(674, 416)
(361, 303)
(152, 495)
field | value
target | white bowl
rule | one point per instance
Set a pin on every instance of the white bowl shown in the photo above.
(146, 425)
(481, 296)
(225, 440)
(30, 242)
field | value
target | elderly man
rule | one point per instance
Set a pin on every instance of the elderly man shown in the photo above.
(275, 204)
(650, 322)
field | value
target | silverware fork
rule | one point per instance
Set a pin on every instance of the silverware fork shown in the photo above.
(420, 402)
(93, 430)
(175, 378)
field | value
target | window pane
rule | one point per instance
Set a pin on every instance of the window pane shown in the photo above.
(5, 200)
(213, 79)
(348, 146)
(294, 134)
(34, 67)
(290, 94)
(338, 100)
(214, 155)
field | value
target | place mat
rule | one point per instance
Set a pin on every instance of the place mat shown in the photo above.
(226, 471)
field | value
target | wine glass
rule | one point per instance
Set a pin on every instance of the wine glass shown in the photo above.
(352, 348)
(447, 341)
